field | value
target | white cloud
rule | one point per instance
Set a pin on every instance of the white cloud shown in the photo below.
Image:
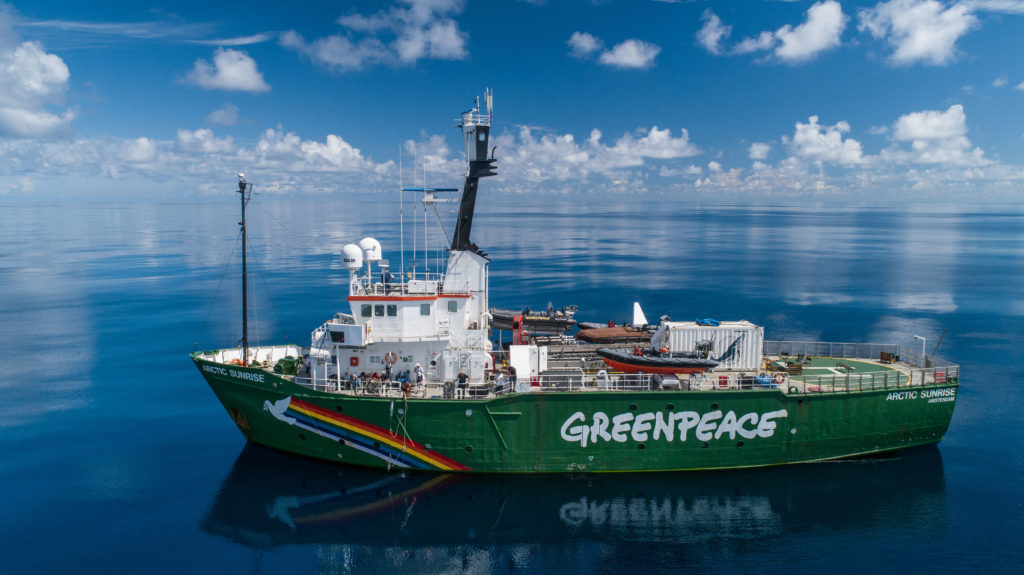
(32, 82)
(931, 125)
(1000, 81)
(822, 31)
(714, 166)
(203, 141)
(139, 150)
(226, 115)
(423, 29)
(759, 151)
(561, 157)
(824, 144)
(1020, 86)
(230, 70)
(632, 53)
(919, 30)
(583, 44)
(712, 33)
(936, 137)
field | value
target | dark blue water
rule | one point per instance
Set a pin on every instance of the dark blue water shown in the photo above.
(115, 456)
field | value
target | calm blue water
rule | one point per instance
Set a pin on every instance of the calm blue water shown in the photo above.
(115, 456)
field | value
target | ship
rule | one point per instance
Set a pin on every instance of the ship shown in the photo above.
(409, 378)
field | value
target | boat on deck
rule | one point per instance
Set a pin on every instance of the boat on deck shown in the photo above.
(551, 322)
(409, 378)
(613, 334)
(671, 364)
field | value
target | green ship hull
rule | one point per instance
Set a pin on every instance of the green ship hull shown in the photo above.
(581, 431)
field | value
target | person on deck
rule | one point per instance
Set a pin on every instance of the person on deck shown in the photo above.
(463, 382)
(418, 374)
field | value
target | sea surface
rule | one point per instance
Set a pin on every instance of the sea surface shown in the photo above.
(115, 457)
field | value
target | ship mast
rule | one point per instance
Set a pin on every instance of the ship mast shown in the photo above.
(476, 128)
(244, 191)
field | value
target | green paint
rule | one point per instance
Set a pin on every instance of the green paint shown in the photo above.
(523, 432)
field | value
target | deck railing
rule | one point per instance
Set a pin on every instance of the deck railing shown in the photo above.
(924, 370)
(915, 371)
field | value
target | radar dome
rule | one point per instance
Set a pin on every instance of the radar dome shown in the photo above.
(371, 249)
(352, 256)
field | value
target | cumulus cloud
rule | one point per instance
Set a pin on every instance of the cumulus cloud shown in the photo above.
(561, 157)
(759, 151)
(923, 31)
(229, 70)
(936, 137)
(824, 144)
(204, 141)
(32, 85)
(821, 31)
(402, 35)
(712, 33)
(582, 44)
(138, 151)
(632, 53)
(1000, 81)
(227, 115)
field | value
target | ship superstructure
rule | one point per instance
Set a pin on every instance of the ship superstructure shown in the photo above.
(436, 321)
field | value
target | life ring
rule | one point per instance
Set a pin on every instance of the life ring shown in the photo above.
(390, 357)
(779, 378)
(793, 389)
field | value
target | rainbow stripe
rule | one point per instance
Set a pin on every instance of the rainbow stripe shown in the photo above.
(376, 506)
(395, 449)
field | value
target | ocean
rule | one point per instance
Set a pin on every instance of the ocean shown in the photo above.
(115, 456)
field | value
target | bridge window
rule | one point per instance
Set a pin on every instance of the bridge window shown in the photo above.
(392, 310)
(367, 310)
(378, 310)
(424, 309)
(453, 306)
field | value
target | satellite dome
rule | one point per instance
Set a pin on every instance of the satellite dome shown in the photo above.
(371, 249)
(352, 256)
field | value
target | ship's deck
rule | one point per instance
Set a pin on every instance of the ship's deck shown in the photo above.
(576, 368)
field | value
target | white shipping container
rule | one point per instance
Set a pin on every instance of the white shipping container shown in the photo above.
(737, 345)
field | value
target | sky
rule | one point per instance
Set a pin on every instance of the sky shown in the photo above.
(903, 101)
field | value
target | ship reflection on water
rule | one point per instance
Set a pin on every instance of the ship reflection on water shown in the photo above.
(271, 499)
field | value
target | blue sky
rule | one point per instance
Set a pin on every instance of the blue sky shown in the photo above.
(906, 100)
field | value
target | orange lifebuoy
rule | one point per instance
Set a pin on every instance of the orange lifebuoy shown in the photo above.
(779, 378)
